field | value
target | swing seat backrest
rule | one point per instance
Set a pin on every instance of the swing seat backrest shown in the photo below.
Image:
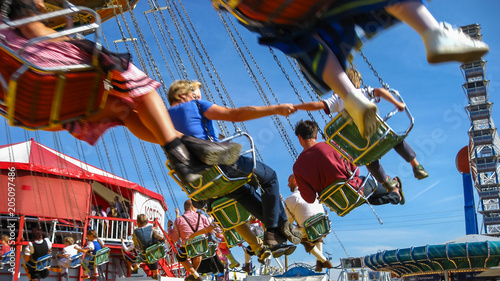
(341, 197)
(229, 213)
(214, 182)
(5, 258)
(345, 137)
(317, 226)
(212, 250)
(101, 257)
(76, 260)
(154, 253)
(42, 263)
(197, 246)
(282, 12)
(232, 238)
(37, 97)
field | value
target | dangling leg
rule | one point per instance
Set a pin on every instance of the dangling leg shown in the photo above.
(362, 111)
(442, 43)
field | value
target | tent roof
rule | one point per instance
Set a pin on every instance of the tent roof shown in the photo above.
(36, 157)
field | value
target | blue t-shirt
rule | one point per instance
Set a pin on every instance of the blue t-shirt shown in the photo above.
(187, 119)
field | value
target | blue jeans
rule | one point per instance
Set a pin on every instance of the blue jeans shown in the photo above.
(380, 196)
(266, 207)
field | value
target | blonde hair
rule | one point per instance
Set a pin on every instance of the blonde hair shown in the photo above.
(354, 76)
(69, 240)
(5, 238)
(180, 87)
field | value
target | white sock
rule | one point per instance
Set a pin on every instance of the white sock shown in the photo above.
(315, 251)
(195, 274)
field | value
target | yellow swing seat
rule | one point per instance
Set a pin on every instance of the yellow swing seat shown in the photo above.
(214, 182)
(212, 250)
(76, 260)
(345, 137)
(229, 213)
(341, 197)
(36, 97)
(232, 238)
(317, 226)
(197, 246)
(41, 263)
(153, 253)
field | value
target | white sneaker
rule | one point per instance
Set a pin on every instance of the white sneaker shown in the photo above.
(363, 113)
(447, 44)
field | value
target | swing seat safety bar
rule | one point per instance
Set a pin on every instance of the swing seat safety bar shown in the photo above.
(214, 182)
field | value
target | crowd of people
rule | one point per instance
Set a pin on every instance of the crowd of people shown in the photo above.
(186, 130)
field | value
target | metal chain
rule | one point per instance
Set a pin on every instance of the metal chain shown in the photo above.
(280, 125)
(386, 86)
(294, 89)
(306, 85)
(253, 78)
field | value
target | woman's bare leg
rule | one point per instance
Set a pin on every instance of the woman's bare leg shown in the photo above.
(415, 14)
(362, 111)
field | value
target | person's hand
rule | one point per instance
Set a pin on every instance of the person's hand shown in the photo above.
(285, 109)
(170, 224)
(40, 5)
(177, 213)
(122, 239)
(400, 105)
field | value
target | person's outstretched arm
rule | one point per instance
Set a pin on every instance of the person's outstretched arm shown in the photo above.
(386, 95)
(310, 106)
(245, 113)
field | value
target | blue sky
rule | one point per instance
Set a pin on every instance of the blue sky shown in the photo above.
(434, 209)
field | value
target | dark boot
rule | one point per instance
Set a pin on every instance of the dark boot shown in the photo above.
(213, 153)
(185, 164)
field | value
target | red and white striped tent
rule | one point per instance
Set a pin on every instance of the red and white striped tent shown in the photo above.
(50, 184)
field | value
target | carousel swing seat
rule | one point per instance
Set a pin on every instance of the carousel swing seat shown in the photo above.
(342, 197)
(214, 182)
(232, 238)
(5, 258)
(345, 137)
(197, 246)
(101, 257)
(317, 226)
(229, 213)
(42, 263)
(153, 253)
(38, 97)
(212, 250)
(76, 260)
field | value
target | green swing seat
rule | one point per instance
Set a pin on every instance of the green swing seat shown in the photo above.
(101, 257)
(341, 197)
(317, 226)
(229, 213)
(345, 137)
(197, 246)
(212, 250)
(232, 238)
(41, 263)
(153, 253)
(214, 182)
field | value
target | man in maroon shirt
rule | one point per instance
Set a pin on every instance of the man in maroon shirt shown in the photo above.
(320, 165)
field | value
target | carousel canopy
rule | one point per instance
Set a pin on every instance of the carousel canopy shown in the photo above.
(48, 183)
(471, 252)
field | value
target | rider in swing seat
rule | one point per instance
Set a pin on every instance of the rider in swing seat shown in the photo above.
(194, 117)
(319, 165)
(145, 236)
